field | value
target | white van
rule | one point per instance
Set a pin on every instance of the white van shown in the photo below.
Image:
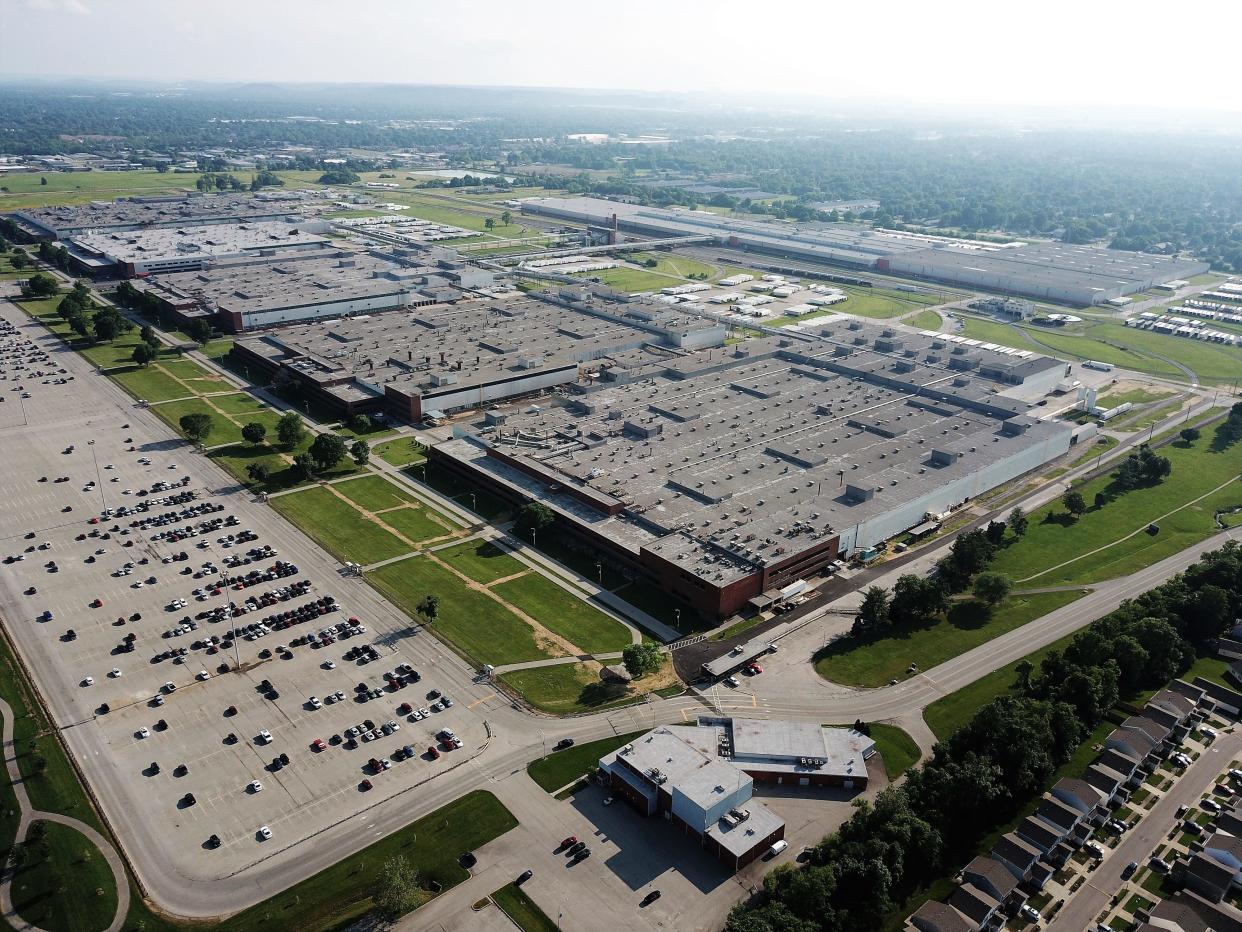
(778, 848)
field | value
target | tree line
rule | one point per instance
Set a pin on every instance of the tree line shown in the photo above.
(988, 770)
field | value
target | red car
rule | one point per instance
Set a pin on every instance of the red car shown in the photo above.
(98, 603)
(405, 708)
(754, 669)
(365, 785)
(571, 840)
(318, 744)
(432, 752)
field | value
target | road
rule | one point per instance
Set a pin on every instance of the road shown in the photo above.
(175, 882)
(1137, 844)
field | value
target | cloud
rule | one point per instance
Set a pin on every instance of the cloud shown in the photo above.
(76, 7)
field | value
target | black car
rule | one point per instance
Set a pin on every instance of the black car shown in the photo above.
(564, 743)
(468, 860)
(523, 877)
(576, 847)
(582, 855)
(650, 898)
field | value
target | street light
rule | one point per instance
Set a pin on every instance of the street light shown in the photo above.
(677, 619)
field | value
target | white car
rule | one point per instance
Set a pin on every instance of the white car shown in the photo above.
(417, 715)
(88, 681)
(203, 675)
(255, 786)
(265, 737)
(265, 832)
(114, 672)
(314, 702)
(425, 713)
(329, 664)
(144, 732)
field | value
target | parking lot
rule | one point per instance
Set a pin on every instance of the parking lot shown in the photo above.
(174, 625)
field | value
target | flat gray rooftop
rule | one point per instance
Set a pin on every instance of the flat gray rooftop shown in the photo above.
(294, 279)
(198, 242)
(441, 350)
(736, 458)
(136, 213)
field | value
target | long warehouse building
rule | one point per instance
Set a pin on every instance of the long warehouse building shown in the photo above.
(726, 474)
(1050, 271)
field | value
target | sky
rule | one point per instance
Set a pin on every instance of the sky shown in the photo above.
(1063, 53)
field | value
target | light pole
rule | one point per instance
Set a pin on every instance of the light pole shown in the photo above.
(599, 569)
(677, 619)
(98, 476)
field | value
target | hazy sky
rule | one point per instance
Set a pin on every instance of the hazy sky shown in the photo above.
(1062, 52)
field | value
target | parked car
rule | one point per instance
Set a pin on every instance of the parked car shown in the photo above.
(1128, 871)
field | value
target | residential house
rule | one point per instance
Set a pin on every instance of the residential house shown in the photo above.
(995, 878)
(1040, 834)
(1209, 877)
(934, 916)
(1161, 735)
(1021, 857)
(979, 906)
(1187, 912)
(1088, 800)
(1227, 700)
(1106, 781)
(1134, 742)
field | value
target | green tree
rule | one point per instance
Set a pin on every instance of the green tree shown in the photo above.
(992, 587)
(19, 260)
(304, 466)
(1074, 503)
(196, 425)
(290, 429)
(489, 224)
(873, 614)
(396, 891)
(258, 472)
(254, 432)
(327, 450)
(1018, 522)
(361, 424)
(199, 331)
(642, 659)
(107, 324)
(143, 355)
(428, 608)
(42, 285)
(148, 336)
(360, 451)
(535, 516)
(1190, 434)
(506, 218)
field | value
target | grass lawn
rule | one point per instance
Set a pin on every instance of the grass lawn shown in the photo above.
(200, 379)
(65, 883)
(993, 331)
(563, 767)
(338, 527)
(483, 561)
(476, 625)
(873, 662)
(663, 606)
(565, 614)
(401, 451)
(54, 786)
(8, 273)
(416, 523)
(632, 280)
(672, 264)
(340, 895)
(521, 909)
(149, 384)
(567, 688)
(373, 493)
(461, 492)
(222, 429)
(951, 712)
(1134, 396)
(898, 749)
(1052, 539)
(924, 320)
(744, 625)
(1210, 668)
(246, 408)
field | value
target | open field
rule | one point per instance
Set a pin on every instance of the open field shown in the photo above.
(63, 859)
(924, 320)
(632, 280)
(342, 894)
(566, 689)
(482, 561)
(1053, 539)
(561, 768)
(522, 910)
(374, 493)
(967, 624)
(951, 712)
(673, 264)
(338, 527)
(898, 749)
(401, 451)
(480, 628)
(564, 614)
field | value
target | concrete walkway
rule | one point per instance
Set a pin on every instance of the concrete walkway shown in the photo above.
(557, 661)
(30, 815)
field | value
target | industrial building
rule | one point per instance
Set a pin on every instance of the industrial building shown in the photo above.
(725, 474)
(438, 360)
(289, 287)
(702, 777)
(1080, 275)
(141, 213)
(135, 253)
